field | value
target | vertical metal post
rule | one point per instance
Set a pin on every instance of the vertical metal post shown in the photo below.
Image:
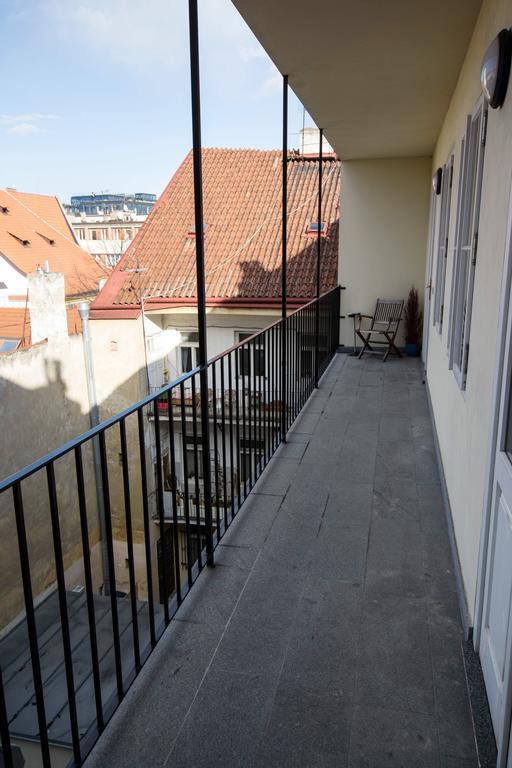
(284, 331)
(200, 276)
(94, 418)
(318, 255)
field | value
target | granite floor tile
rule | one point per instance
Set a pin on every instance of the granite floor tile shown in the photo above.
(395, 428)
(394, 668)
(326, 627)
(395, 499)
(226, 721)
(396, 459)
(395, 559)
(384, 738)
(349, 502)
(426, 468)
(307, 729)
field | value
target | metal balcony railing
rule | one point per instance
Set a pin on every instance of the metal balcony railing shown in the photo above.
(140, 476)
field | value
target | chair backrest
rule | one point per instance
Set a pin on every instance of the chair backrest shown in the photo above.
(388, 311)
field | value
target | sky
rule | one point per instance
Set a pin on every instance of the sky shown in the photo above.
(95, 94)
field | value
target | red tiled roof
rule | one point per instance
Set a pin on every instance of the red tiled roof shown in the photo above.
(39, 220)
(15, 323)
(242, 214)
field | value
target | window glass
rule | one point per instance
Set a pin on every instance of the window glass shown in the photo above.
(186, 359)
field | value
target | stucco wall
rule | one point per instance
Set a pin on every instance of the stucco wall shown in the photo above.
(383, 231)
(463, 418)
(43, 404)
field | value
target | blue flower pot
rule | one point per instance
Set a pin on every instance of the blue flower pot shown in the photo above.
(412, 350)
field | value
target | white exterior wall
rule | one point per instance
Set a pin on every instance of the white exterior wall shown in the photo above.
(16, 284)
(383, 231)
(463, 418)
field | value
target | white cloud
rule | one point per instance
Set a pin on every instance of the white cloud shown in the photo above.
(22, 129)
(31, 117)
(24, 124)
(142, 35)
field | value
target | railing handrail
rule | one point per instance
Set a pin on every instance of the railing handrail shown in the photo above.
(70, 445)
(268, 327)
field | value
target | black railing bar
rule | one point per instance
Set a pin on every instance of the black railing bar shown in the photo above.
(237, 417)
(174, 500)
(197, 490)
(215, 450)
(41, 463)
(5, 738)
(91, 613)
(111, 571)
(63, 610)
(161, 512)
(231, 436)
(276, 323)
(186, 495)
(129, 544)
(31, 623)
(223, 417)
(145, 512)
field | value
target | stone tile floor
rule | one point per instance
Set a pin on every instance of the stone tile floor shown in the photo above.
(328, 635)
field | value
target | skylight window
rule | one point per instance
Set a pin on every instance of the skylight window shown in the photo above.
(49, 240)
(314, 227)
(192, 230)
(8, 345)
(20, 240)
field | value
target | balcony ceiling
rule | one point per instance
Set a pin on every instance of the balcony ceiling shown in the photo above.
(377, 76)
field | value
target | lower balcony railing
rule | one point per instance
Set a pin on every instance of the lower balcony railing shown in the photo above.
(109, 537)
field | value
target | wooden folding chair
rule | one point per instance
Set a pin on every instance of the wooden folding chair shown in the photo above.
(383, 326)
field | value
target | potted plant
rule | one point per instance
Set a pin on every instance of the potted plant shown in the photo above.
(413, 320)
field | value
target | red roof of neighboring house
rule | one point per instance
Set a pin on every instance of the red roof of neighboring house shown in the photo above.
(15, 324)
(34, 229)
(242, 216)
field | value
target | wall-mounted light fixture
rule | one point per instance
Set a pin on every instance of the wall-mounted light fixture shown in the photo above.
(436, 181)
(495, 69)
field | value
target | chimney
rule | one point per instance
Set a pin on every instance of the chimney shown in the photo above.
(309, 143)
(47, 305)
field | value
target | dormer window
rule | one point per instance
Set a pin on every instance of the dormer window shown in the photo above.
(23, 242)
(49, 240)
(192, 230)
(314, 227)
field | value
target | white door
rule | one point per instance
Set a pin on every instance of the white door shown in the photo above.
(496, 632)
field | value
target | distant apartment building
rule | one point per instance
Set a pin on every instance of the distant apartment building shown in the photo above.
(105, 224)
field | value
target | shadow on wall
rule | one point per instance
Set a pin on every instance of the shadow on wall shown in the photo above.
(35, 421)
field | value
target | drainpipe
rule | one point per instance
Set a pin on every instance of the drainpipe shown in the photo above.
(94, 416)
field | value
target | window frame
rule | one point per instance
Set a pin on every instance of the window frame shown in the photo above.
(442, 243)
(192, 345)
(466, 241)
(256, 346)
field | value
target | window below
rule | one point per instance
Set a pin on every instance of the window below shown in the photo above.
(251, 357)
(466, 242)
